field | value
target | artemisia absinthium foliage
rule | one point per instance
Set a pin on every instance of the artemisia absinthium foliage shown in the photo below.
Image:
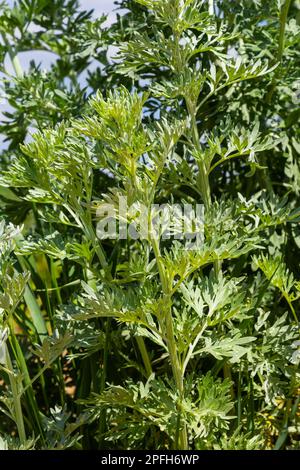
(167, 348)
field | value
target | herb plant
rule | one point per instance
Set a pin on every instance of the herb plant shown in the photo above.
(150, 342)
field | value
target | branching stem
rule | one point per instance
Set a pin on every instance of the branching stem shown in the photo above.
(18, 414)
(169, 335)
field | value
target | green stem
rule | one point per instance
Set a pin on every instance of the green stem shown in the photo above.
(31, 403)
(239, 396)
(145, 356)
(290, 413)
(89, 232)
(17, 401)
(103, 380)
(291, 307)
(172, 347)
(226, 159)
(283, 19)
(203, 178)
(192, 347)
(54, 282)
(13, 57)
(169, 335)
(87, 227)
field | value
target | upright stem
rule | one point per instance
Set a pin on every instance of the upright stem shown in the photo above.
(268, 98)
(103, 378)
(139, 339)
(204, 188)
(145, 356)
(13, 57)
(17, 400)
(211, 7)
(168, 331)
(283, 19)
(203, 177)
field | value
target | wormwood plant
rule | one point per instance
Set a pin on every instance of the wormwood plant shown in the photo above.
(166, 347)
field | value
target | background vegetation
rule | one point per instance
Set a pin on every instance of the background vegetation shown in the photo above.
(140, 344)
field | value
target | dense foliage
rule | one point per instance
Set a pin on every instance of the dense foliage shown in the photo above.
(141, 343)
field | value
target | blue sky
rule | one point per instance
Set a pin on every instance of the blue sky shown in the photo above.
(45, 58)
(100, 6)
